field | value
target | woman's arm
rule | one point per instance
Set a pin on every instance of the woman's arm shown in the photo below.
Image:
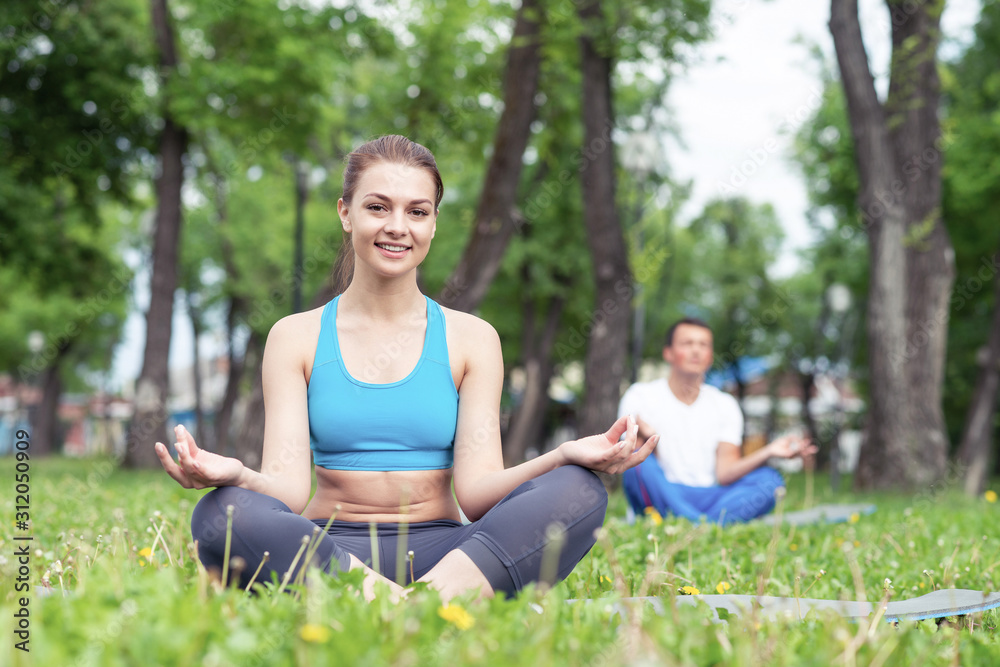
(481, 480)
(285, 464)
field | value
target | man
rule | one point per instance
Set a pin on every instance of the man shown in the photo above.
(697, 470)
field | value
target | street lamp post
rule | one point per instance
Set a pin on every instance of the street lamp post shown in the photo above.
(839, 299)
(640, 157)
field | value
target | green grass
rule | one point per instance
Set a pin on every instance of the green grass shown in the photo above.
(90, 523)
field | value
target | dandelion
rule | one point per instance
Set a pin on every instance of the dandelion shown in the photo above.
(855, 517)
(722, 587)
(654, 515)
(689, 590)
(314, 634)
(990, 496)
(793, 547)
(457, 616)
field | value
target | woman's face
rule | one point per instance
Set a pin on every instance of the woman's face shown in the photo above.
(391, 218)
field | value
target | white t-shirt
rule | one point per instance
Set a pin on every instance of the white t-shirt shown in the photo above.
(689, 434)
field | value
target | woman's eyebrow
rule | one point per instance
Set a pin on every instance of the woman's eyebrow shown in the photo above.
(383, 197)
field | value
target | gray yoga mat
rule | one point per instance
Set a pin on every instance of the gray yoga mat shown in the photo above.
(820, 514)
(938, 604)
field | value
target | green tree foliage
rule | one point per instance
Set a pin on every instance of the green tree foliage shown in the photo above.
(73, 131)
(970, 145)
(736, 243)
(971, 197)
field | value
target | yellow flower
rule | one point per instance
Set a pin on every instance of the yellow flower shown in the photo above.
(654, 515)
(722, 587)
(455, 614)
(991, 496)
(689, 590)
(603, 579)
(793, 547)
(146, 552)
(314, 634)
(857, 543)
(855, 517)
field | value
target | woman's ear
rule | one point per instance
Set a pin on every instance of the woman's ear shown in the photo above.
(342, 211)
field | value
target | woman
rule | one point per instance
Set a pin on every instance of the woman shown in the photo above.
(397, 398)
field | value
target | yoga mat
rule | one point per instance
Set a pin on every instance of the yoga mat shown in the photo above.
(938, 604)
(820, 514)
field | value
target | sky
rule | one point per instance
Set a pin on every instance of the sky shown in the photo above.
(736, 107)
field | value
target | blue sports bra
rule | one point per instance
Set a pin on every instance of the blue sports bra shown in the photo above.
(403, 425)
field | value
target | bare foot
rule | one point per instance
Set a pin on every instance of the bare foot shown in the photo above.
(456, 574)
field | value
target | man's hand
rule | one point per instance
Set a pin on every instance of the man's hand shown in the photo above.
(645, 430)
(790, 446)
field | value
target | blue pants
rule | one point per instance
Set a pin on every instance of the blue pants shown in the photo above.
(747, 498)
(508, 544)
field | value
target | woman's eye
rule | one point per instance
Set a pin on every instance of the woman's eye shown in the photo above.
(376, 207)
(419, 212)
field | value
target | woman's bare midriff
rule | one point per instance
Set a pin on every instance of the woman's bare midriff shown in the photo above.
(399, 496)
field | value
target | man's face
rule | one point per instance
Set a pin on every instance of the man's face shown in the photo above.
(691, 350)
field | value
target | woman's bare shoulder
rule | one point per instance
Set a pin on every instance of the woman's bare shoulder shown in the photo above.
(468, 327)
(472, 341)
(298, 325)
(296, 335)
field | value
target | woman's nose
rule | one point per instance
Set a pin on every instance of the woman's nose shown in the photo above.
(396, 223)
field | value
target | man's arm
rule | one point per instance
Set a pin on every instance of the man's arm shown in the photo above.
(645, 430)
(730, 466)
(628, 405)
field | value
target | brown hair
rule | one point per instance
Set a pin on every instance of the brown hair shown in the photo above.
(669, 338)
(393, 149)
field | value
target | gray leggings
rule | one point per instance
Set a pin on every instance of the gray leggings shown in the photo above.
(508, 544)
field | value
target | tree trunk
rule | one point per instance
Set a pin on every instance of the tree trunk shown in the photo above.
(249, 443)
(974, 450)
(895, 451)
(607, 345)
(150, 417)
(199, 414)
(529, 418)
(912, 114)
(496, 218)
(774, 402)
(45, 431)
(301, 197)
(806, 383)
(224, 416)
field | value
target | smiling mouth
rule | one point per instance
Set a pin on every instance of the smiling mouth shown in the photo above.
(392, 248)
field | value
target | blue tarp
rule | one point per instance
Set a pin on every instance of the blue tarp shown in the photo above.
(749, 368)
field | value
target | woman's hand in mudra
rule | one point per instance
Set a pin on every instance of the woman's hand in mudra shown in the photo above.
(195, 468)
(609, 452)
